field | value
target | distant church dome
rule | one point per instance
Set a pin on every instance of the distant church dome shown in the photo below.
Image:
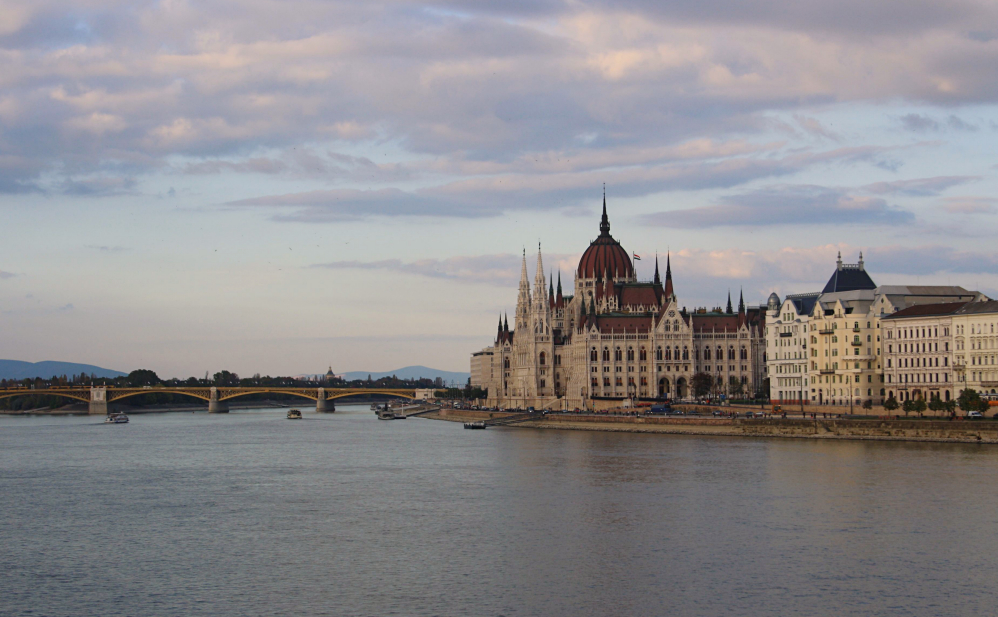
(774, 302)
(605, 255)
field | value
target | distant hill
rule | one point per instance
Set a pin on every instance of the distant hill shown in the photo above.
(413, 372)
(16, 369)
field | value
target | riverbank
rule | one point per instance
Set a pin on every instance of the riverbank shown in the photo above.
(954, 431)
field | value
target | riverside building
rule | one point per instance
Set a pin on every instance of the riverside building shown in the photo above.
(614, 338)
(843, 344)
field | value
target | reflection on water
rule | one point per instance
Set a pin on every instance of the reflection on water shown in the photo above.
(251, 514)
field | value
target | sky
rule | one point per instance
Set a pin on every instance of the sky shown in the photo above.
(281, 186)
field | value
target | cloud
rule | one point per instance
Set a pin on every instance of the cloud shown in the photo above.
(970, 205)
(66, 307)
(918, 187)
(6, 275)
(492, 195)
(501, 270)
(919, 123)
(786, 205)
(106, 249)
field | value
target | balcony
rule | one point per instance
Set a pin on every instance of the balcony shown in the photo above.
(786, 334)
(856, 343)
(855, 329)
(827, 371)
(826, 330)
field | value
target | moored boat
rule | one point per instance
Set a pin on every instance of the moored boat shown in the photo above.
(294, 414)
(116, 418)
(475, 425)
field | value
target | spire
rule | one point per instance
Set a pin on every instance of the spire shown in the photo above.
(505, 325)
(668, 276)
(658, 280)
(559, 300)
(728, 310)
(499, 331)
(551, 290)
(861, 261)
(523, 300)
(539, 286)
(741, 302)
(604, 225)
(583, 306)
(838, 262)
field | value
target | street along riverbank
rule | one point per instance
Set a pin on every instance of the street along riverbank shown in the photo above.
(953, 431)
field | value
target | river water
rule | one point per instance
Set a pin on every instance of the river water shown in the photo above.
(251, 514)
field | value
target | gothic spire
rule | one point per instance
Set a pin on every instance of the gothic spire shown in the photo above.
(668, 276)
(741, 302)
(604, 225)
(505, 325)
(728, 310)
(658, 280)
(559, 300)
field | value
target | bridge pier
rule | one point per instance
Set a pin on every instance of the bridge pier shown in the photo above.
(215, 405)
(98, 401)
(322, 405)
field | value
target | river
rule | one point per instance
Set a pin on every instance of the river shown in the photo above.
(252, 514)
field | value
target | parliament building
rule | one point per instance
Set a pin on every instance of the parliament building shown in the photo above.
(615, 339)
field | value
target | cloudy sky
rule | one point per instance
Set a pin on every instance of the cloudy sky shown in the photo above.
(277, 186)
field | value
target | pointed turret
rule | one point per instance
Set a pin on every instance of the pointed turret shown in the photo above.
(560, 299)
(523, 299)
(551, 290)
(729, 310)
(669, 293)
(658, 280)
(741, 302)
(499, 331)
(604, 225)
(540, 288)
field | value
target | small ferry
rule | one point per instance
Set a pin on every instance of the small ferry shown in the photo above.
(480, 425)
(116, 418)
(294, 414)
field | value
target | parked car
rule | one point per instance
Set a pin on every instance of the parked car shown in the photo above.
(975, 415)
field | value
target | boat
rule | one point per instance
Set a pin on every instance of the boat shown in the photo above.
(386, 414)
(116, 418)
(294, 414)
(475, 425)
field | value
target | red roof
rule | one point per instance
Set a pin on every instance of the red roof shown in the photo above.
(715, 322)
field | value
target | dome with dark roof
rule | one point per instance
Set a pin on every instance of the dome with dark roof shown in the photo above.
(774, 302)
(605, 255)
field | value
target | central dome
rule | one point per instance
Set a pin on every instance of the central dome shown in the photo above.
(605, 255)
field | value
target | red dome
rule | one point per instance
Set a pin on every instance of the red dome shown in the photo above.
(605, 255)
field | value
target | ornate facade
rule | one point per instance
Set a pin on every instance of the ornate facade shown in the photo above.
(614, 338)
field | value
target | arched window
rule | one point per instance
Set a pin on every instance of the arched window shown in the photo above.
(630, 354)
(606, 354)
(592, 355)
(643, 355)
(706, 353)
(731, 353)
(543, 358)
(744, 354)
(686, 353)
(505, 363)
(720, 353)
(658, 353)
(618, 355)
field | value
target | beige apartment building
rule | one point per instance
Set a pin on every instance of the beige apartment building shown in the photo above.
(918, 352)
(786, 335)
(844, 343)
(975, 342)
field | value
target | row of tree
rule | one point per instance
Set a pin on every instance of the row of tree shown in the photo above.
(969, 400)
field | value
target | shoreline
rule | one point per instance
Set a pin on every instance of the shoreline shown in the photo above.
(925, 431)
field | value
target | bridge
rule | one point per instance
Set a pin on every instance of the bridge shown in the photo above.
(98, 397)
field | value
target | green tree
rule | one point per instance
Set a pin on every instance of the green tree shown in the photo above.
(225, 378)
(891, 404)
(969, 400)
(936, 404)
(701, 384)
(919, 406)
(735, 386)
(868, 404)
(908, 406)
(143, 377)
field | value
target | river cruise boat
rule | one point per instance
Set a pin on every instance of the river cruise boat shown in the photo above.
(480, 425)
(116, 418)
(294, 414)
